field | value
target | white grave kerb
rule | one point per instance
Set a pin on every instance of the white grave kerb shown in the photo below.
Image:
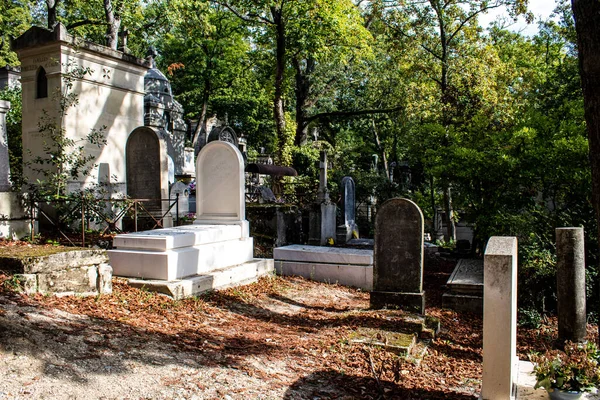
(499, 319)
(220, 191)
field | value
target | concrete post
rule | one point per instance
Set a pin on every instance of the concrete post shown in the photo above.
(499, 319)
(570, 284)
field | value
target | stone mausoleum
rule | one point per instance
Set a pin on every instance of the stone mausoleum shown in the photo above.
(127, 98)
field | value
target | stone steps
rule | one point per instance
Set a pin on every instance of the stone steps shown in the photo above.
(220, 278)
(176, 253)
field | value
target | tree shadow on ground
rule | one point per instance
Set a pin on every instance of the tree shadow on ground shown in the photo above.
(329, 317)
(71, 346)
(328, 384)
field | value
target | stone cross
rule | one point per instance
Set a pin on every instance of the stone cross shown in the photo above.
(398, 257)
(323, 193)
(570, 284)
(499, 319)
(4, 160)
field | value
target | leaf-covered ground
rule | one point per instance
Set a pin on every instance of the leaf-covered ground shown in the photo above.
(280, 338)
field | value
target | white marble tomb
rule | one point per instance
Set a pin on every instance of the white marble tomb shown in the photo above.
(218, 244)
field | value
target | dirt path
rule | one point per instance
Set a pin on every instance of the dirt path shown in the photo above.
(276, 339)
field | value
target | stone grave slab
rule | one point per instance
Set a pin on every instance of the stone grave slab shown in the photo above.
(318, 254)
(465, 287)
(173, 238)
(397, 342)
(350, 267)
(216, 279)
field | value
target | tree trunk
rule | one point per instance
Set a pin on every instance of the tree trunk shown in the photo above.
(381, 150)
(113, 24)
(202, 117)
(587, 15)
(302, 91)
(278, 112)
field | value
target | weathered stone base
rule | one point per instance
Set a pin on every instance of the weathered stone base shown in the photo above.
(463, 303)
(68, 272)
(216, 279)
(88, 280)
(414, 302)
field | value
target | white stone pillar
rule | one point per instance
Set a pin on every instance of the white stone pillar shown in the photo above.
(4, 159)
(499, 319)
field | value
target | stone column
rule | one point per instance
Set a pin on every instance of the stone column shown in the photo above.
(570, 284)
(323, 213)
(323, 193)
(4, 160)
(499, 319)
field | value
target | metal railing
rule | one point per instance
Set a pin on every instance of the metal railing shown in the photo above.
(64, 215)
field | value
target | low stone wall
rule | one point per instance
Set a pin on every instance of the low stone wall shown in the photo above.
(81, 271)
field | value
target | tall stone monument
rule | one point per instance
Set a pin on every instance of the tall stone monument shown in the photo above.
(4, 160)
(398, 257)
(499, 319)
(13, 219)
(348, 225)
(570, 284)
(323, 213)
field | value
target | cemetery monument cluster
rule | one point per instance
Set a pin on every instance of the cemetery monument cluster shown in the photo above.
(128, 99)
(216, 251)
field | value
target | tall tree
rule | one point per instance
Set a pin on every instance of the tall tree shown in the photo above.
(587, 14)
(15, 18)
(441, 29)
(204, 52)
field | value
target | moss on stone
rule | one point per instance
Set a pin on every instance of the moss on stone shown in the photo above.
(25, 251)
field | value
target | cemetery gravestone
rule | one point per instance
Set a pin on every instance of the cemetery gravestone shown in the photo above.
(147, 174)
(143, 165)
(398, 257)
(499, 319)
(322, 217)
(4, 160)
(348, 226)
(570, 284)
(220, 189)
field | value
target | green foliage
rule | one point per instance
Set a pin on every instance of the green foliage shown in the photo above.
(575, 369)
(15, 18)
(530, 319)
